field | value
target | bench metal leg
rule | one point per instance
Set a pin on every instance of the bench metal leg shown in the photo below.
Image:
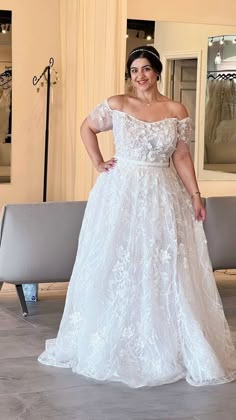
(21, 296)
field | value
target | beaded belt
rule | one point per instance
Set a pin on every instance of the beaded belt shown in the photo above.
(143, 162)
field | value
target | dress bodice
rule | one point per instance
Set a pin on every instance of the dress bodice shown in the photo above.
(140, 140)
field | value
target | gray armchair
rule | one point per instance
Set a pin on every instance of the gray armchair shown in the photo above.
(38, 243)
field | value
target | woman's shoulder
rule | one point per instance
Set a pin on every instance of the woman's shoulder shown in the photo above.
(117, 102)
(178, 109)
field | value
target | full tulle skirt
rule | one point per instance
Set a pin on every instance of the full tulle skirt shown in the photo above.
(142, 305)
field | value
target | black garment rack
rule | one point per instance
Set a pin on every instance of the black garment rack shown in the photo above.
(47, 76)
(226, 75)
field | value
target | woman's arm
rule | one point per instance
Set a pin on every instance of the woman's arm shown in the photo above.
(185, 169)
(100, 119)
(89, 138)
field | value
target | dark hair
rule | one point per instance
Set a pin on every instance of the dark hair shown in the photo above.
(148, 52)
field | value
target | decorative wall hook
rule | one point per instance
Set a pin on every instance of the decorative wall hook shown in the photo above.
(37, 79)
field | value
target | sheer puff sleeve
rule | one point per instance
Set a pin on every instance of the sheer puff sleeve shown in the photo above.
(101, 117)
(184, 131)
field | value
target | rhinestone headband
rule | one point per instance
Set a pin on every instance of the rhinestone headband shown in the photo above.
(143, 49)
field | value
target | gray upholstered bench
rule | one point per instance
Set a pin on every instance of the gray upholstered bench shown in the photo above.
(220, 230)
(38, 243)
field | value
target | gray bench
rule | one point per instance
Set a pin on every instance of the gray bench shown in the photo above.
(220, 230)
(38, 243)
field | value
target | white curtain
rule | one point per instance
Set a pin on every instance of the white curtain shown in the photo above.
(93, 67)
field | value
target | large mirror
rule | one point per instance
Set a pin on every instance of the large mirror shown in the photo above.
(5, 95)
(220, 113)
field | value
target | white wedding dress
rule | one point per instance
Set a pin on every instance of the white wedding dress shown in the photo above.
(142, 305)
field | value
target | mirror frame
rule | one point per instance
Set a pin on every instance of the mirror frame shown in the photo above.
(166, 61)
(6, 169)
(212, 72)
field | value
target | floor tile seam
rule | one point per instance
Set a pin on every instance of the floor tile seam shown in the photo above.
(19, 357)
(21, 317)
(26, 328)
(46, 392)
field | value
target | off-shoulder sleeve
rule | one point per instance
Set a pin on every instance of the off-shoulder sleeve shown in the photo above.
(184, 130)
(101, 117)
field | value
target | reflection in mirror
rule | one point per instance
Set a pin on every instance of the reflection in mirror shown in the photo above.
(220, 115)
(5, 95)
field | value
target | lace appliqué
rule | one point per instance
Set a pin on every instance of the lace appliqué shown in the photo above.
(101, 117)
(184, 130)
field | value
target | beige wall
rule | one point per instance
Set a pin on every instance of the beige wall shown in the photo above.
(186, 38)
(201, 11)
(36, 37)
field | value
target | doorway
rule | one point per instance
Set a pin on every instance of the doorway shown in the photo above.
(182, 87)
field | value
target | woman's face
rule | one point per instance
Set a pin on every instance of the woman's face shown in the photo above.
(143, 76)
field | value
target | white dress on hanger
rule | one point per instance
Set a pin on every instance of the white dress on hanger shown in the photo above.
(4, 114)
(142, 305)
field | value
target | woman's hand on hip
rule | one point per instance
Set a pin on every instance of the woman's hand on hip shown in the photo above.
(106, 166)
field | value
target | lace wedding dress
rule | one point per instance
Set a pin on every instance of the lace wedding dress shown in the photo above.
(142, 304)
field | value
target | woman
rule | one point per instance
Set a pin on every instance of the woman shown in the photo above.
(142, 305)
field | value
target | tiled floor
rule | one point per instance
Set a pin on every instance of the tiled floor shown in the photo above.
(30, 391)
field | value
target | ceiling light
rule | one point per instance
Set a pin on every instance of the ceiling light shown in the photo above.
(234, 41)
(222, 41)
(210, 43)
(127, 35)
(148, 38)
